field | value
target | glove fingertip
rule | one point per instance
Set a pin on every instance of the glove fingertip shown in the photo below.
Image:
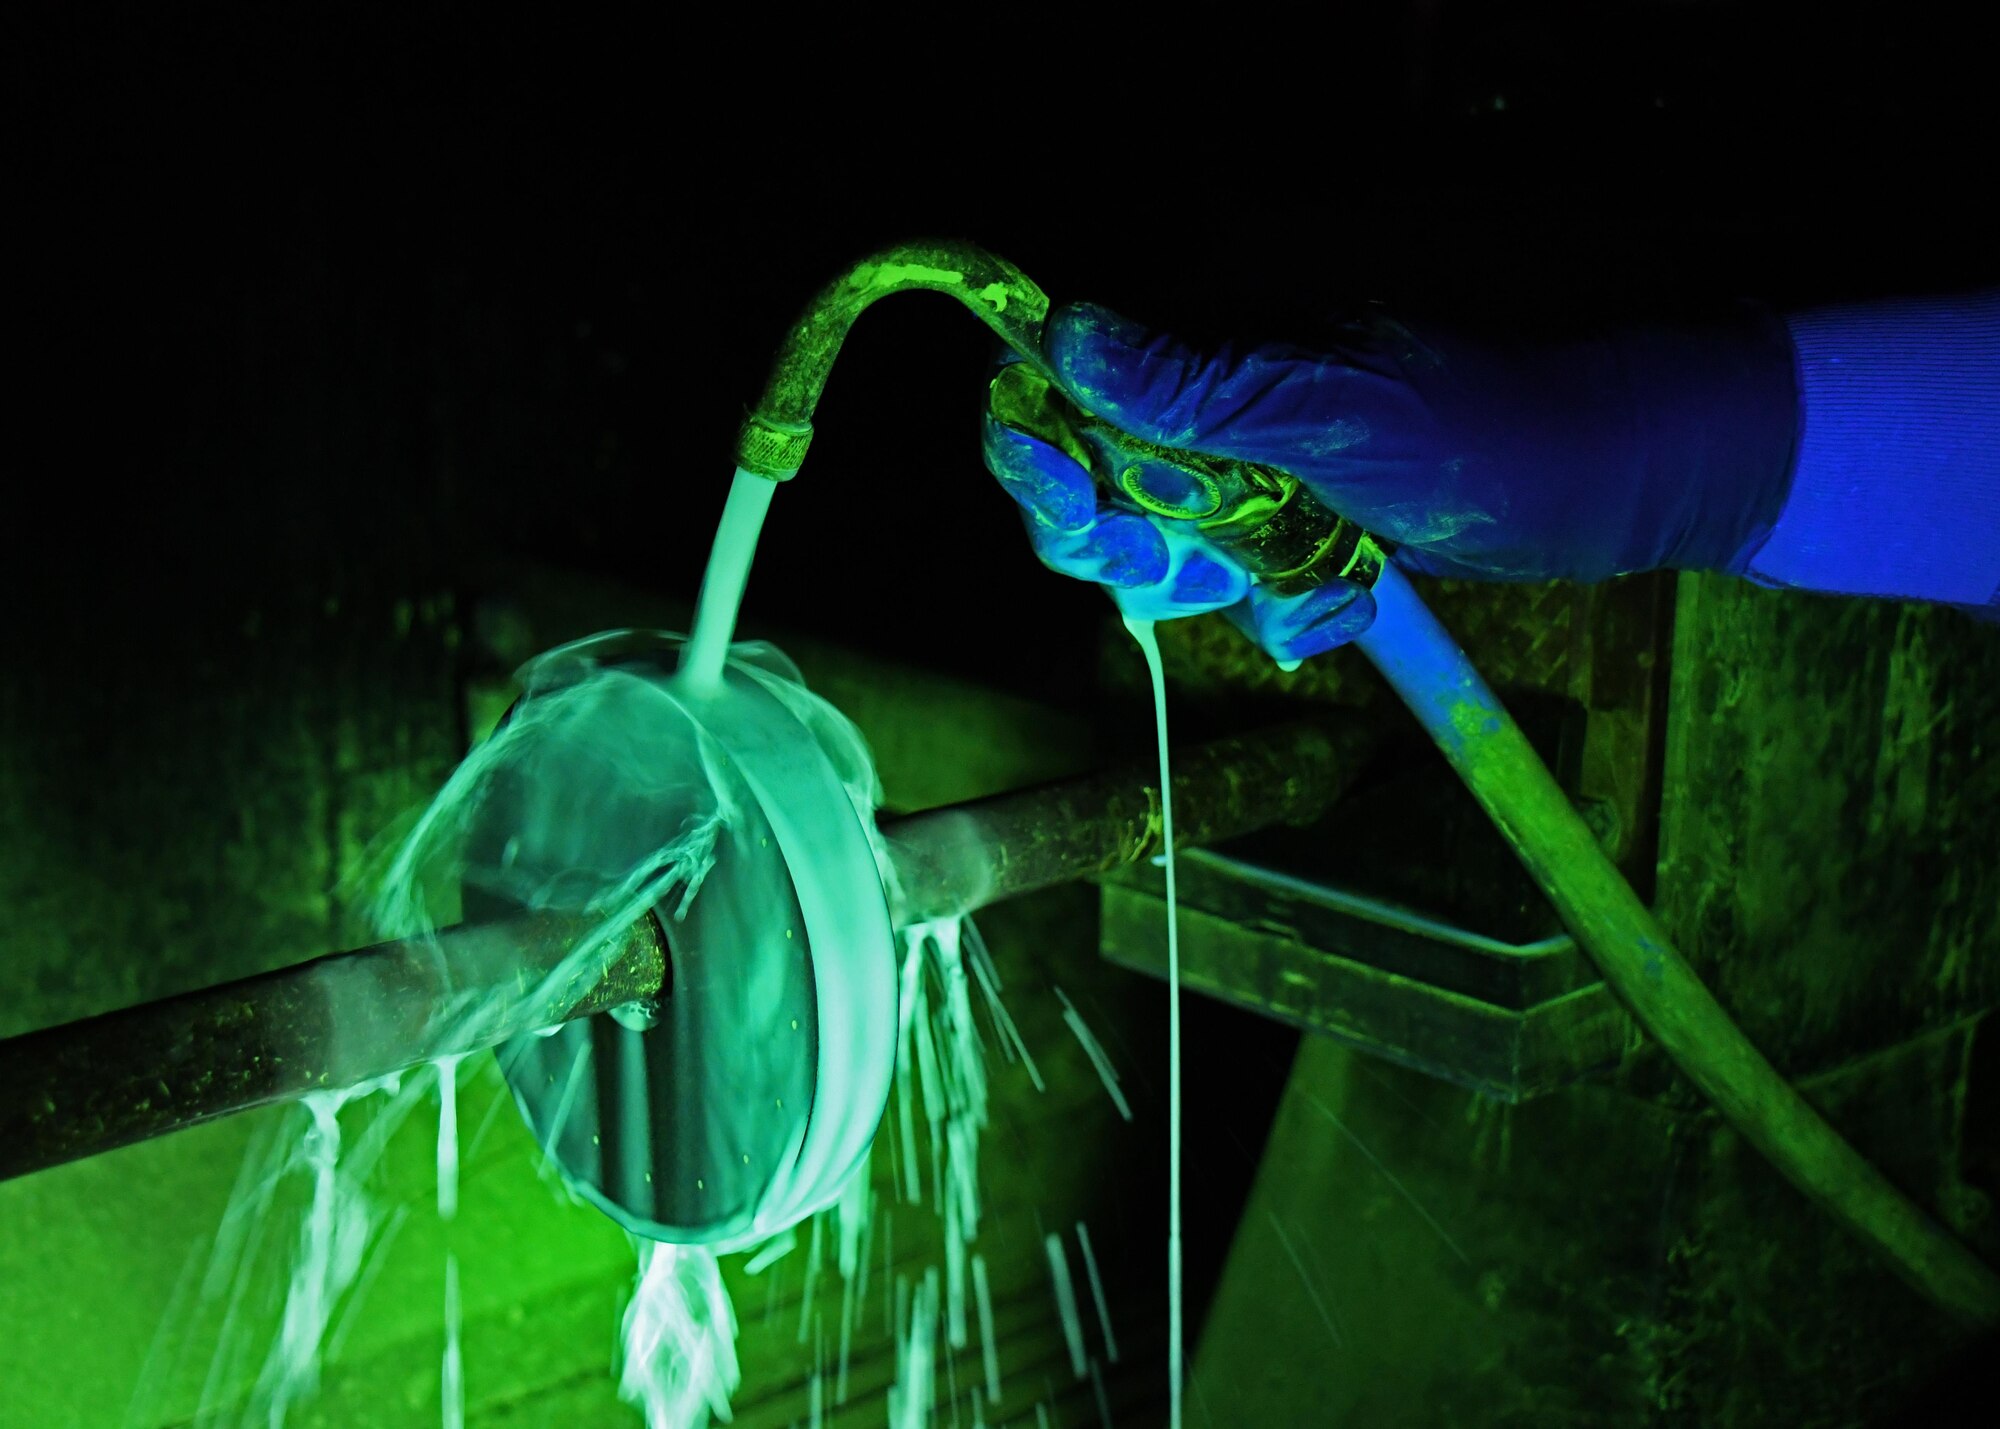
(1043, 482)
(1134, 553)
(1333, 629)
(1296, 628)
(1067, 553)
(1115, 550)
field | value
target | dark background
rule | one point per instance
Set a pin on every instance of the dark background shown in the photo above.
(313, 304)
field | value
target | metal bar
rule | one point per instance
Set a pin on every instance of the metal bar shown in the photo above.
(91, 1086)
(104, 1082)
(959, 859)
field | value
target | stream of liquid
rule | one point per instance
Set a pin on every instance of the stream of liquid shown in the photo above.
(722, 584)
(1142, 631)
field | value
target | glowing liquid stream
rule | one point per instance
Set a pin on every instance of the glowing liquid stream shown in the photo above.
(849, 1292)
(722, 584)
(1142, 631)
(1304, 1279)
(954, 1278)
(1010, 1036)
(818, 1390)
(454, 1365)
(452, 1375)
(989, 1348)
(812, 1278)
(1103, 1399)
(1100, 1061)
(908, 1000)
(447, 1157)
(915, 1390)
(774, 1249)
(330, 1246)
(1097, 1292)
(1072, 1322)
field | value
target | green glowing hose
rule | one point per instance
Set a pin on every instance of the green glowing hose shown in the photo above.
(773, 440)
(1636, 957)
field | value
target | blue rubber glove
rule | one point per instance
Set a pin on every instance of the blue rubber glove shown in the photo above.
(1648, 448)
(1158, 569)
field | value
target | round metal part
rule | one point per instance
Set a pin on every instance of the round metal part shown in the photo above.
(744, 1097)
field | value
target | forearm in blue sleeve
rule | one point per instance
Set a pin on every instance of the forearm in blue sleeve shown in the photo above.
(1896, 482)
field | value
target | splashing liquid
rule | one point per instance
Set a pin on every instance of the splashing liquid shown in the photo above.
(1142, 631)
(324, 1266)
(559, 734)
(678, 1360)
(678, 1341)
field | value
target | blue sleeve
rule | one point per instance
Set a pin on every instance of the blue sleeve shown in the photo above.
(1896, 483)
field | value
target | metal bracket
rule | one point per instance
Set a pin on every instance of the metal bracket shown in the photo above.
(1509, 1020)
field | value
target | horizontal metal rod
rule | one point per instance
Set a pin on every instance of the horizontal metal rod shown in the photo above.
(960, 858)
(92, 1086)
(340, 1020)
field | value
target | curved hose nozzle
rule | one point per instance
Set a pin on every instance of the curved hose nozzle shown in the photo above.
(774, 438)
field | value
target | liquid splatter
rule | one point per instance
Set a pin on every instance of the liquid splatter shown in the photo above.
(1306, 1280)
(989, 1348)
(1100, 1061)
(1103, 1399)
(915, 1390)
(1097, 1292)
(254, 1377)
(1072, 1322)
(678, 1340)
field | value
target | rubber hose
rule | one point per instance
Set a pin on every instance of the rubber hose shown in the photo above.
(1423, 663)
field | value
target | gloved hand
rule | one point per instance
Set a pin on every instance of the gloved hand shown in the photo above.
(1652, 447)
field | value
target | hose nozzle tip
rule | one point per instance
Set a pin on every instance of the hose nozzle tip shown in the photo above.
(763, 448)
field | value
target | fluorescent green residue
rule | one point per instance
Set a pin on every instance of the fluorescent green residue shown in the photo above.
(893, 277)
(1472, 718)
(890, 277)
